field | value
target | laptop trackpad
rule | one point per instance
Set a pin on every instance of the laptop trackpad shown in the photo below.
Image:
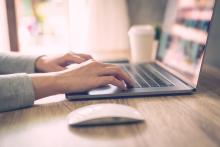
(108, 89)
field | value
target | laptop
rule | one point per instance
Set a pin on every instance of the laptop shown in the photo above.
(178, 59)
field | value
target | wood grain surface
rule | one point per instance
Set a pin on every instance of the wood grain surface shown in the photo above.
(170, 121)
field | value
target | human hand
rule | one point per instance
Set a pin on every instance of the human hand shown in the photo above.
(91, 74)
(83, 77)
(59, 62)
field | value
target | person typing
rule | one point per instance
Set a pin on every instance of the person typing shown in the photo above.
(24, 79)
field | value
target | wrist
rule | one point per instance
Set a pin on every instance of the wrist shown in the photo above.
(44, 84)
(59, 82)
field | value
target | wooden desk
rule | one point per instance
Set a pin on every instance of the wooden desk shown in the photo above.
(171, 121)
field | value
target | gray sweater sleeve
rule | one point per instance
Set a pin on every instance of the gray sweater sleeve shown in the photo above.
(16, 90)
(16, 63)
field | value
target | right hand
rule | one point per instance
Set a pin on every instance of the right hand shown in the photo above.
(89, 75)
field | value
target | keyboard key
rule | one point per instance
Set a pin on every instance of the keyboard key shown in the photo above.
(159, 79)
(149, 80)
(132, 72)
(146, 77)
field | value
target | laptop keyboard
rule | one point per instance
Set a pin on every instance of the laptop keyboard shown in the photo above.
(146, 77)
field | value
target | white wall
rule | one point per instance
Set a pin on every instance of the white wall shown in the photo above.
(108, 25)
(4, 39)
(98, 24)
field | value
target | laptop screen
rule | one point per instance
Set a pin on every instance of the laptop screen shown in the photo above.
(184, 37)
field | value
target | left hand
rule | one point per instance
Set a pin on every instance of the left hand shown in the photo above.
(59, 62)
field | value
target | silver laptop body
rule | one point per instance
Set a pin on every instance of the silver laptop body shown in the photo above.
(179, 56)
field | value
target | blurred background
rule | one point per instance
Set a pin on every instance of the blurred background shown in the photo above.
(54, 26)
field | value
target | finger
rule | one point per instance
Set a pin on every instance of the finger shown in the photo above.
(71, 58)
(105, 80)
(119, 73)
(85, 56)
(108, 64)
(95, 63)
(58, 68)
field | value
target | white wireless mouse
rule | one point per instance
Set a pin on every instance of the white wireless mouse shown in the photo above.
(101, 114)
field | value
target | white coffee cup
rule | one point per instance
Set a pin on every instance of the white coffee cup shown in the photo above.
(142, 43)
